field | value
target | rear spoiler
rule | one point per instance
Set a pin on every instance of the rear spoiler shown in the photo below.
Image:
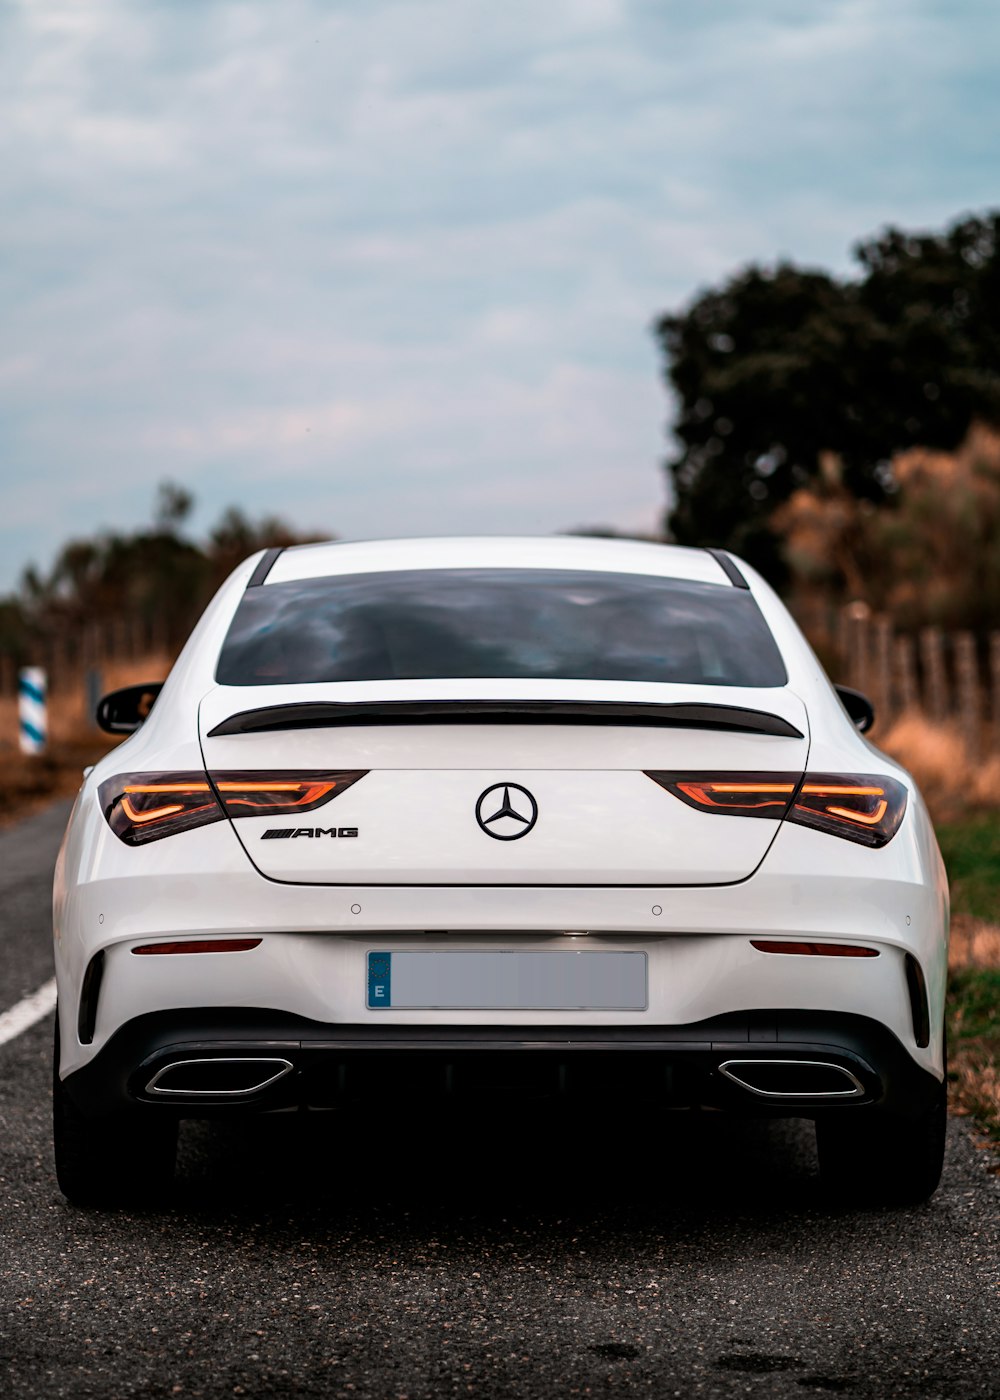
(326, 714)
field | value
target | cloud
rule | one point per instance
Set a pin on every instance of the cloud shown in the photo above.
(392, 267)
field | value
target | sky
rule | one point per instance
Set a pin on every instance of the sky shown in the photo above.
(391, 266)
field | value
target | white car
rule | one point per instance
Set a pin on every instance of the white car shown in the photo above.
(425, 816)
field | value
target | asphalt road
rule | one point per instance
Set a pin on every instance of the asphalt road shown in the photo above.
(521, 1254)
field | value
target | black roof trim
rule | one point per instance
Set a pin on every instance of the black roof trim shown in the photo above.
(728, 566)
(323, 714)
(264, 565)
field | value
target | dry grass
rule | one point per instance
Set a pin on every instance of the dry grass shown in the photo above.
(973, 1025)
(975, 1086)
(964, 796)
(74, 741)
(974, 943)
(951, 781)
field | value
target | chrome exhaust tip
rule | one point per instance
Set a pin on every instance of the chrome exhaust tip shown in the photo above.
(794, 1079)
(218, 1078)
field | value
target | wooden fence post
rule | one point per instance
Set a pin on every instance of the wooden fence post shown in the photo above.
(905, 678)
(995, 688)
(842, 644)
(49, 657)
(158, 632)
(68, 678)
(91, 646)
(935, 677)
(856, 633)
(883, 696)
(967, 674)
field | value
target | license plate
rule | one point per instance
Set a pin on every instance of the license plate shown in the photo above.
(506, 981)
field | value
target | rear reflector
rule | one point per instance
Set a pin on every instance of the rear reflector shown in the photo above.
(199, 945)
(821, 950)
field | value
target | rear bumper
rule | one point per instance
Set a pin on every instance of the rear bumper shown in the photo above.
(312, 959)
(330, 1065)
(318, 979)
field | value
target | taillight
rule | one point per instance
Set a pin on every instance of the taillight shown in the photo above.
(736, 794)
(142, 807)
(860, 808)
(274, 794)
(855, 806)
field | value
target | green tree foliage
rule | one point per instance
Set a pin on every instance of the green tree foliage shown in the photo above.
(928, 555)
(173, 506)
(236, 536)
(154, 576)
(781, 366)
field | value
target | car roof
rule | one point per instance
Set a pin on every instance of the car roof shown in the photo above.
(497, 552)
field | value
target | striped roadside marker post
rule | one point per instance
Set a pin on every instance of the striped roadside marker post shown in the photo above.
(32, 710)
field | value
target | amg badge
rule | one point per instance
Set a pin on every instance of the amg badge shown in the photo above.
(289, 833)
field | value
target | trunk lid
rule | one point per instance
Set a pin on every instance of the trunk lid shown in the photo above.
(544, 784)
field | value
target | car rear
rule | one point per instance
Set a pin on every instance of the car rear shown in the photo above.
(435, 817)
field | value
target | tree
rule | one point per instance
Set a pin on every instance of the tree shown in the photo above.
(236, 536)
(174, 505)
(780, 367)
(153, 575)
(928, 555)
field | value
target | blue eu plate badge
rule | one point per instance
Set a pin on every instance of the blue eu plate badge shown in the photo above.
(379, 981)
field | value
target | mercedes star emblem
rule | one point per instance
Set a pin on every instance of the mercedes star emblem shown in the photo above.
(512, 811)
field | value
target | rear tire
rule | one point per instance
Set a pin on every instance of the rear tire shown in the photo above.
(881, 1160)
(123, 1159)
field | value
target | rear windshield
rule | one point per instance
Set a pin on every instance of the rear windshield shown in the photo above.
(542, 624)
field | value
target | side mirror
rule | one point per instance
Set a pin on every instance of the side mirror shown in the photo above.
(858, 706)
(123, 711)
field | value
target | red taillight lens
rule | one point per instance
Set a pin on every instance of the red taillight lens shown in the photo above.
(856, 806)
(142, 807)
(273, 794)
(735, 794)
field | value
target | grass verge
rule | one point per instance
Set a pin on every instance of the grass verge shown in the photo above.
(971, 850)
(74, 741)
(964, 797)
(973, 1012)
(32, 782)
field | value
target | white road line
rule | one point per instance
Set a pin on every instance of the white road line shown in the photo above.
(28, 1011)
